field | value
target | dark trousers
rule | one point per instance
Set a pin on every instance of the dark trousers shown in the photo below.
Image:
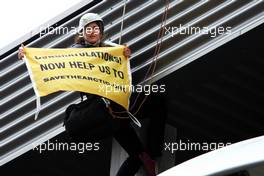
(126, 136)
(128, 139)
(155, 110)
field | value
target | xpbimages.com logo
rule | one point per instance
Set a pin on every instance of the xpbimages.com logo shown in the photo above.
(146, 89)
(80, 147)
(61, 30)
(190, 30)
(183, 145)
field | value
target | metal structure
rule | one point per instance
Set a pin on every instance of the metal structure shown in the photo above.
(18, 130)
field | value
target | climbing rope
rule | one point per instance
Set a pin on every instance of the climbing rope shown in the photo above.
(152, 66)
(155, 55)
(122, 22)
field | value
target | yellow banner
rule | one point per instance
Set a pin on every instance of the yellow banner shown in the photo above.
(103, 71)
